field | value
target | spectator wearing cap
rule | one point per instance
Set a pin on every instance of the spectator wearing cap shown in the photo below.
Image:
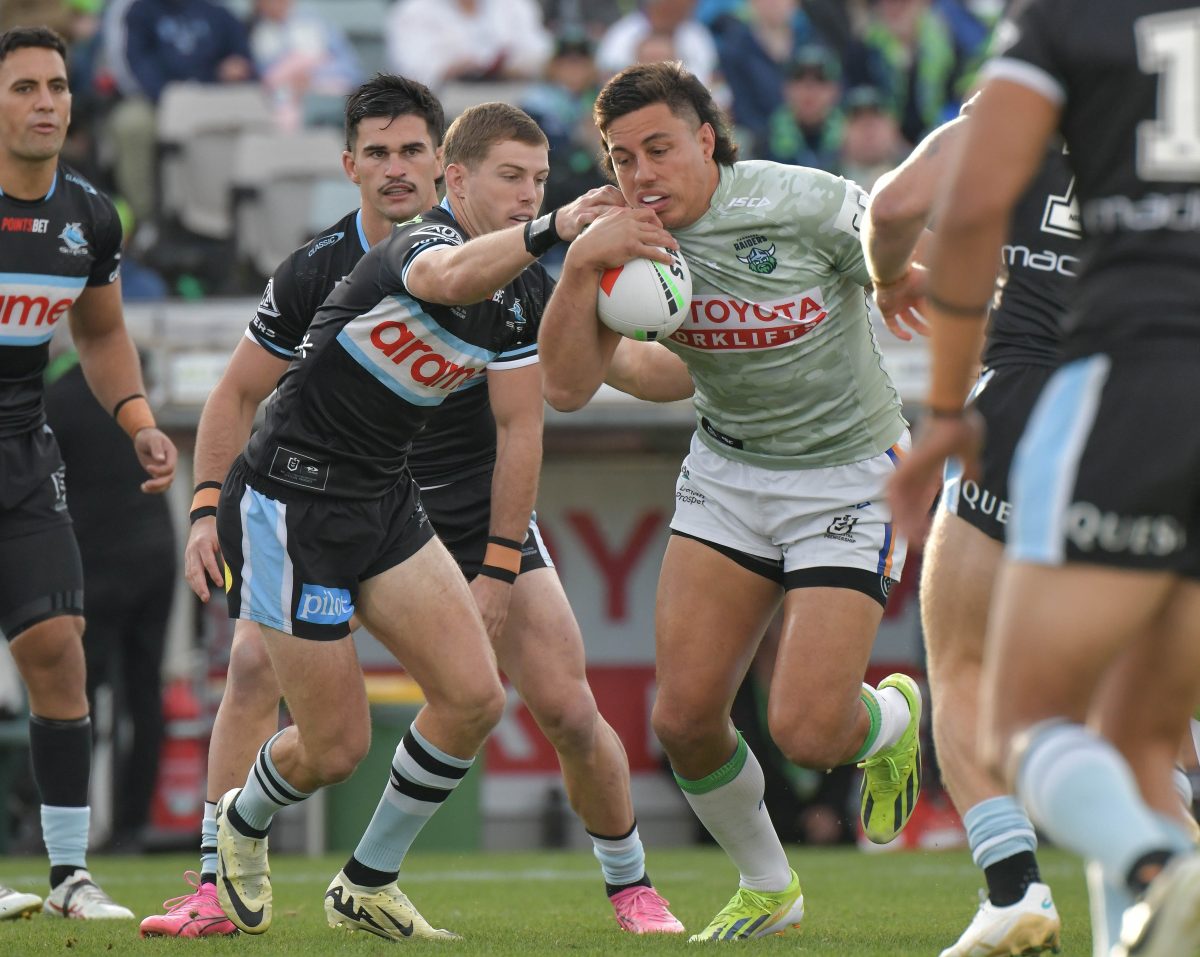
(806, 129)
(436, 41)
(923, 60)
(754, 50)
(871, 139)
(693, 42)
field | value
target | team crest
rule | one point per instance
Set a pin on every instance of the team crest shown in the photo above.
(74, 242)
(518, 317)
(761, 261)
(842, 528)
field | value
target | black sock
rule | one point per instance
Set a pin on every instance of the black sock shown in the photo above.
(358, 873)
(240, 825)
(1009, 879)
(1145, 869)
(643, 881)
(61, 753)
(60, 872)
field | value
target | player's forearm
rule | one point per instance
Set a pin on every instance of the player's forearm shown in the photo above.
(224, 430)
(649, 371)
(955, 346)
(888, 244)
(110, 365)
(515, 480)
(575, 349)
(472, 272)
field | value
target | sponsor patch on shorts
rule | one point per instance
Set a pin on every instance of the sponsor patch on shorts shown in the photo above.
(323, 605)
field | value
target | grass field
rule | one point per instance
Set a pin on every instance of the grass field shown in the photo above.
(887, 905)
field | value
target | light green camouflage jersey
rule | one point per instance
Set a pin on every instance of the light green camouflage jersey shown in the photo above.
(787, 370)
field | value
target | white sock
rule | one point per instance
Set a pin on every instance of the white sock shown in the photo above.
(889, 714)
(729, 803)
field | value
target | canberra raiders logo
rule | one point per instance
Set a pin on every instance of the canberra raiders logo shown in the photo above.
(761, 261)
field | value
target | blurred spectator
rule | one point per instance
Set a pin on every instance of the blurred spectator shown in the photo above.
(35, 13)
(655, 48)
(139, 283)
(167, 41)
(916, 56)
(299, 52)
(562, 106)
(753, 49)
(128, 549)
(871, 140)
(806, 129)
(693, 43)
(592, 17)
(436, 41)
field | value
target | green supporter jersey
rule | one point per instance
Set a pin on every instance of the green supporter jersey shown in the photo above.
(779, 341)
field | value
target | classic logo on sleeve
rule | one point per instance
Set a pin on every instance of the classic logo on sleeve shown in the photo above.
(718, 323)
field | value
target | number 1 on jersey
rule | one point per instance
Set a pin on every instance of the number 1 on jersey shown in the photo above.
(1168, 147)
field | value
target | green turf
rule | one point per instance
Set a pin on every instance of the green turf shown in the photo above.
(859, 905)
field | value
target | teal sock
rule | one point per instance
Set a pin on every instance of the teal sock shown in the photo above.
(998, 829)
(423, 776)
(622, 859)
(1081, 792)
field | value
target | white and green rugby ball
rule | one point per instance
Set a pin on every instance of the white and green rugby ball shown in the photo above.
(644, 299)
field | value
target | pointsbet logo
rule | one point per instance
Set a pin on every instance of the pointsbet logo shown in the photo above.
(323, 605)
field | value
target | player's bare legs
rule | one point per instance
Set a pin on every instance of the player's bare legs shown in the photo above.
(541, 651)
(710, 615)
(49, 657)
(248, 713)
(1058, 633)
(404, 607)
(816, 714)
(959, 567)
(958, 573)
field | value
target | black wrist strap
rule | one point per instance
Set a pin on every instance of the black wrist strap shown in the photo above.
(500, 574)
(128, 398)
(505, 542)
(200, 485)
(203, 512)
(540, 234)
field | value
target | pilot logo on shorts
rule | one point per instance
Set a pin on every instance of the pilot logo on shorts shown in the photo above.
(323, 605)
(842, 528)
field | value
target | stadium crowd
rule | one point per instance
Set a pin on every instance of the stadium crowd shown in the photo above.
(848, 87)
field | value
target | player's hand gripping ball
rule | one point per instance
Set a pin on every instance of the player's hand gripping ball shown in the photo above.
(644, 299)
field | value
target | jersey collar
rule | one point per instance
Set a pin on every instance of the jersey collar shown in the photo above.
(362, 233)
(53, 187)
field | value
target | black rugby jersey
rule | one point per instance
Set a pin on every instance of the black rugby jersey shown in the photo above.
(376, 364)
(1124, 73)
(50, 250)
(459, 441)
(1039, 265)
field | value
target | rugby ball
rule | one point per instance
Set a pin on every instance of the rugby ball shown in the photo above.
(644, 299)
